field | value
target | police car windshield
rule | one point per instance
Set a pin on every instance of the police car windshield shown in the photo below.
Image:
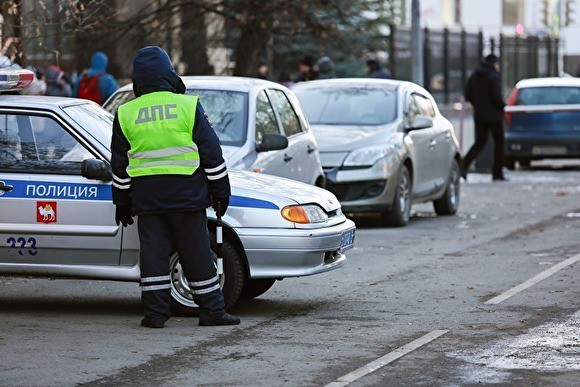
(97, 122)
(348, 105)
(228, 113)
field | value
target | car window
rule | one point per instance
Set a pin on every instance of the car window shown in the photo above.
(425, 105)
(413, 109)
(38, 144)
(98, 123)
(265, 118)
(289, 118)
(548, 96)
(119, 98)
(228, 112)
(368, 106)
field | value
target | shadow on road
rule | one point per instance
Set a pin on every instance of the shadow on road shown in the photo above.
(65, 305)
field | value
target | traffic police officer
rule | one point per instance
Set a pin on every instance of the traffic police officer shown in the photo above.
(167, 169)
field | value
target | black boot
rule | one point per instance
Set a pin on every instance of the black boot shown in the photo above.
(152, 323)
(223, 318)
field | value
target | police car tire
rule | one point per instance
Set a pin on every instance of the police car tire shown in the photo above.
(234, 275)
(449, 202)
(256, 287)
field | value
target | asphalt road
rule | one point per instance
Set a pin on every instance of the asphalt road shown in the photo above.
(489, 296)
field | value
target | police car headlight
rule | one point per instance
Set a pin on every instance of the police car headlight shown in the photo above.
(309, 213)
(368, 155)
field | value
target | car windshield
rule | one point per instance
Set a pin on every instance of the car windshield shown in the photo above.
(97, 122)
(553, 95)
(348, 105)
(227, 111)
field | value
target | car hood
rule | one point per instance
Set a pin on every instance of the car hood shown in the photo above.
(344, 138)
(232, 155)
(280, 191)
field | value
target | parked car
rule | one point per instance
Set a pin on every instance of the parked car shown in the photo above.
(542, 120)
(57, 217)
(260, 125)
(383, 145)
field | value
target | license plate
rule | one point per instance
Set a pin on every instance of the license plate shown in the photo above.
(549, 150)
(347, 240)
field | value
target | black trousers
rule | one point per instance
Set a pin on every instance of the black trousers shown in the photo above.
(481, 132)
(186, 233)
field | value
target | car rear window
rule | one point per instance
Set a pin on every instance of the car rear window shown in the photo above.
(555, 95)
(348, 105)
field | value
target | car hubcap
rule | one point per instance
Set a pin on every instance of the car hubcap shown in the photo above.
(404, 193)
(179, 285)
(454, 187)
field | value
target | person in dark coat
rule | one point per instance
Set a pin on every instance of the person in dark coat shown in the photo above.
(325, 68)
(376, 70)
(483, 91)
(168, 168)
(306, 68)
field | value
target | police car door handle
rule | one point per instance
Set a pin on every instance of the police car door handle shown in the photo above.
(287, 158)
(432, 143)
(310, 149)
(6, 188)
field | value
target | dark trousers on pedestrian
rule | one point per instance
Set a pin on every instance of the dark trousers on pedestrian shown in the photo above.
(185, 233)
(481, 133)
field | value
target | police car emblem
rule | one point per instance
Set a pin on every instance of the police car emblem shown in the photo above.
(207, 119)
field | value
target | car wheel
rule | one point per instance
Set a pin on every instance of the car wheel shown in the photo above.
(400, 212)
(525, 163)
(255, 287)
(232, 281)
(449, 202)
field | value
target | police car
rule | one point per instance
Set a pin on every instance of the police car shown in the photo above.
(57, 217)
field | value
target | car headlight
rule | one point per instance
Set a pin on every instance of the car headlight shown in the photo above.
(368, 155)
(308, 213)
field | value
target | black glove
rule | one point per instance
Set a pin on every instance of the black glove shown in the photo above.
(224, 203)
(123, 215)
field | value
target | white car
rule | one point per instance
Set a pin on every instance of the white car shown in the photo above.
(57, 218)
(260, 125)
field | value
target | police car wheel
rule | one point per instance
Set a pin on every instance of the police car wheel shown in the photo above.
(231, 282)
(449, 202)
(255, 287)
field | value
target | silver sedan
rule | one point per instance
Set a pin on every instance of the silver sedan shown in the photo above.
(383, 145)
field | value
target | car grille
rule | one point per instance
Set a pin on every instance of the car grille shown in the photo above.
(356, 190)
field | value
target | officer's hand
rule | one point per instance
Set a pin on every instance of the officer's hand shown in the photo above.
(123, 215)
(224, 203)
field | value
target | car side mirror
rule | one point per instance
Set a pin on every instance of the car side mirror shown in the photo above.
(272, 141)
(421, 122)
(96, 170)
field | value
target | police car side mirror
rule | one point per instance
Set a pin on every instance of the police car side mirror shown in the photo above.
(96, 170)
(272, 141)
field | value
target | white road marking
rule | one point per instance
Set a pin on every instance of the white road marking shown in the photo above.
(532, 281)
(388, 358)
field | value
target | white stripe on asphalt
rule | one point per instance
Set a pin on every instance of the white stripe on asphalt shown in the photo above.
(388, 358)
(532, 281)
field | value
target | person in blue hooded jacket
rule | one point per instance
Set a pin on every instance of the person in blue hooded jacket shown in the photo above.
(167, 169)
(107, 84)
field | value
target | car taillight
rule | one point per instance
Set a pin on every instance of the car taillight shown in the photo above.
(511, 101)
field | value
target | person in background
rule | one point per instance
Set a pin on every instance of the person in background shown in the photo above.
(376, 70)
(96, 83)
(263, 71)
(38, 86)
(168, 168)
(56, 83)
(325, 68)
(306, 69)
(483, 90)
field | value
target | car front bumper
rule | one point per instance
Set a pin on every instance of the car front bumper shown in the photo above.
(281, 253)
(535, 148)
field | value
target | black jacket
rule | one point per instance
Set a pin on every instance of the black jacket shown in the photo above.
(161, 193)
(483, 90)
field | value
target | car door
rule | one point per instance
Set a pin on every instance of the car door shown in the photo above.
(422, 149)
(49, 213)
(440, 143)
(301, 156)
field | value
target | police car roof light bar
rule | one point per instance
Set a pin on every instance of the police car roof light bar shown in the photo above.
(15, 79)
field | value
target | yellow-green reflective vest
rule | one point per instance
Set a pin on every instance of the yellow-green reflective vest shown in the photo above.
(159, 128)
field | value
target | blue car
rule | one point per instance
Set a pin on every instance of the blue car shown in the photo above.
(542, 120)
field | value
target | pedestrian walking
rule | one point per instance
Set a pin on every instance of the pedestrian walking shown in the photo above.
(96, 84)
(325, 68)
(167, 169)
(376, 70)
(56, 82)
(306, 69)
(483, 90)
